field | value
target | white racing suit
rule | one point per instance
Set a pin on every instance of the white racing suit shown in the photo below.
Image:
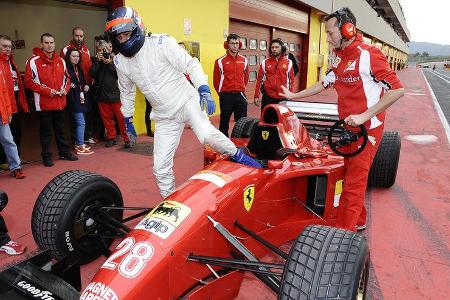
(158, 71)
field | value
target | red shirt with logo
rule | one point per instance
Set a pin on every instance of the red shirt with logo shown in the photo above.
(43, 74)
(274, 73)
(14, 83)
(230, 73)
(360, 74)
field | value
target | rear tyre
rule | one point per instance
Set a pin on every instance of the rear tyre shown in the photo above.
(326, 263)
(60, 219)
(244, 127)
(385, 163)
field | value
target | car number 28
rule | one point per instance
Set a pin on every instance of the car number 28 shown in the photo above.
(130, 257)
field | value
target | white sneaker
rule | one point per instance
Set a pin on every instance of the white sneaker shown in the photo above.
(13, 248)
(83, 150)
(361, 227)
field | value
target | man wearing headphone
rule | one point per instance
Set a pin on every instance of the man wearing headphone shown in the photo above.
(157, 65)
(366, 87)
(230, 80)
(273, 72)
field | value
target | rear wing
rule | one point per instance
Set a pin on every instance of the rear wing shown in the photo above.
(315, 116)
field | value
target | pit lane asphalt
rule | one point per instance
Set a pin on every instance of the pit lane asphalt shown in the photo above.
(408, 224)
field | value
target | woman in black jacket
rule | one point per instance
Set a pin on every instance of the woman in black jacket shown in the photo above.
(108, 95)
(77, 102)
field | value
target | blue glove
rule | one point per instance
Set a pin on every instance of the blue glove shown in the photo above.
(206, 99)
(241, 157)
(132, 135)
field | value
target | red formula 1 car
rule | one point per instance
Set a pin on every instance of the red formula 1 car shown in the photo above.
(198, 243)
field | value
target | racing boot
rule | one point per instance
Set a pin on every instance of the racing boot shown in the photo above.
(241, 157)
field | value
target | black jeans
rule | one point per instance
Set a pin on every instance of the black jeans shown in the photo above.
(47, 120)
(4, 237)
(266, 100)
(231, 103)
(16, 132)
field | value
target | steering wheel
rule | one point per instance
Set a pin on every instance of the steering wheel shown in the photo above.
(346, 137)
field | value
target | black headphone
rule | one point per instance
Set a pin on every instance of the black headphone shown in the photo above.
(279, 41)
(346, 23)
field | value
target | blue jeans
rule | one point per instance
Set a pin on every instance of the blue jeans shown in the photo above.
(79, 131)
(7, 141)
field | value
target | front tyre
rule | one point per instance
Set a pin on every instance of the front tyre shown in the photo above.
(326, 263)
(61, 219)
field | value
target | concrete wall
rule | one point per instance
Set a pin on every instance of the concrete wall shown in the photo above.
(318, 48)
(27, 20)
(209, 27)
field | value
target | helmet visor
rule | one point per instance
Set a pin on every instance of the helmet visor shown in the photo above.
(118, 26)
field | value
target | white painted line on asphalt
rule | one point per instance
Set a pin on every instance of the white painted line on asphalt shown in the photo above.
(421, 139)
(440, 76)
(439, 110)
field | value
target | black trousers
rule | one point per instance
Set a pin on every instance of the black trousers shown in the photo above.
(4, 237)
(266, 100)
(47, 120)
(16, 132)
(231, 103)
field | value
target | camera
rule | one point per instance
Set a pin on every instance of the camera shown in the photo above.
(106, 54)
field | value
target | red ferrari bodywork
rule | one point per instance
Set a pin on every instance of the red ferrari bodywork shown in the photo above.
(150, 263)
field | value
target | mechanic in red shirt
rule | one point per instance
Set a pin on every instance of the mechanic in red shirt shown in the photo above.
(46, 76)
(274, 72)
(230, 80)
(366, 87)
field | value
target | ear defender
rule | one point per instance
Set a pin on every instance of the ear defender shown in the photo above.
(348, 30)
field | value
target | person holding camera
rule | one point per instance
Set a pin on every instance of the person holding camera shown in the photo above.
(273, 72)
(107, 93)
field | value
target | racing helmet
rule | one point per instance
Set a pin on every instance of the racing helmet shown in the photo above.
(125, 19)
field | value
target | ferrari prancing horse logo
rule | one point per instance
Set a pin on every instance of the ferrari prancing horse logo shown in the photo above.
(264, 134)
(249, 196)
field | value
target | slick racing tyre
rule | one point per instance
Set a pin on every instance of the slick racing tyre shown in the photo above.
(326, 263)
(244, 127)
(384, 166)
(61, 219)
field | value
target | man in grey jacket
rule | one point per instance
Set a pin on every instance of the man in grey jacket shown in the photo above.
(157, 65)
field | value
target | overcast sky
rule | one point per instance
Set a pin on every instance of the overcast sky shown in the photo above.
(428, 21)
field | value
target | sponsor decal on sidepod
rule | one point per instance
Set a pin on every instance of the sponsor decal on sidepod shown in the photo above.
(98, 291)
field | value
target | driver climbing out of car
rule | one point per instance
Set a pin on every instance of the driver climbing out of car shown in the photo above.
(157, 65)
(366, 87)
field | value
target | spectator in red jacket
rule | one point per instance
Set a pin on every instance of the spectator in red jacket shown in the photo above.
(230, 80)
(78, 43)
(46, 76)
(6, 139)
(275, 71)
(16, 92)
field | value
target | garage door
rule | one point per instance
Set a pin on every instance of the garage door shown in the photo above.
(255, 46)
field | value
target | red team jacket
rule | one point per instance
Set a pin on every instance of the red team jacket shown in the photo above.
(275, 73)
(360, 74)
(8, 67)
(43, 74)
(86, 62)
(230, 73)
